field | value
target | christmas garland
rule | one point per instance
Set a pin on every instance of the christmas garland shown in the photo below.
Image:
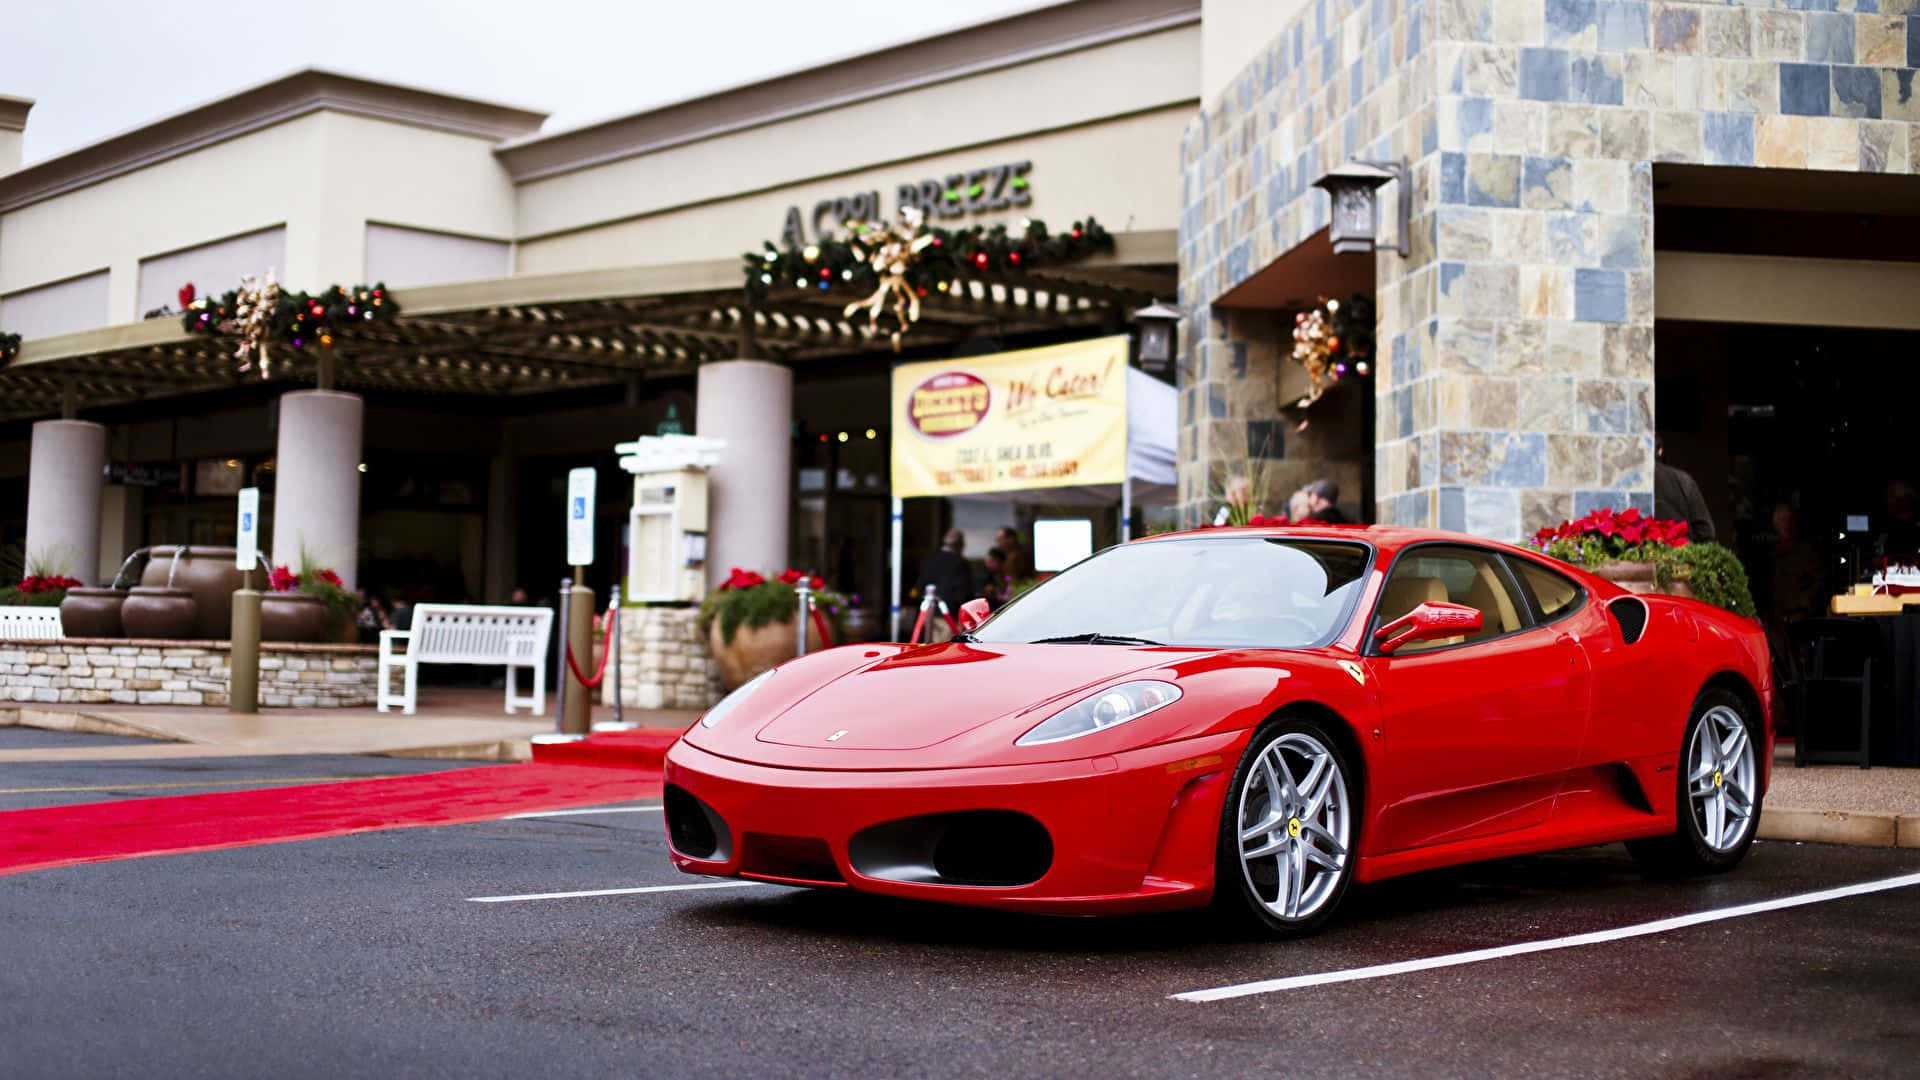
(297, 319)
(9, 347)
(1333, 341)
(951, 255)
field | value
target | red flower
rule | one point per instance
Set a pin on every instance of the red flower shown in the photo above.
(790, 576)
(742, 579)
(283, 579)
(330, 578)
(816, 582)
(186, 296)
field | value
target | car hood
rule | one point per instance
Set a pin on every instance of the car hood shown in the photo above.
(921, 697)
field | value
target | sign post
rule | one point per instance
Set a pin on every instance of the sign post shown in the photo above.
(243, 668)
(578, 701)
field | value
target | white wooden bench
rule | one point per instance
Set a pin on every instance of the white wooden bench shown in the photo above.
(30, 624)
(515, 637)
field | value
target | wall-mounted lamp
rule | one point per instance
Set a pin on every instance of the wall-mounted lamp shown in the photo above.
(1157, 324)
(1356, 209)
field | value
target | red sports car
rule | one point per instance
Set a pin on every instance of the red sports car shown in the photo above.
(1249, 717)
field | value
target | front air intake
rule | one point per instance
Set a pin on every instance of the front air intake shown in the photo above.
(981, 848)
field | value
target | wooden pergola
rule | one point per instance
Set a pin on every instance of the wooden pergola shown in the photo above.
(541, 333)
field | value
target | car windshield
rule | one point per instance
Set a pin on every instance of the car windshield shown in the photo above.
(1210, 592)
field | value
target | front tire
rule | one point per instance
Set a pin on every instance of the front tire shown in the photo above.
(1286, 847)
(1719, 792)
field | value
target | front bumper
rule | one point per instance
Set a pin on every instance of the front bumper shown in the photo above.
(1129, 832)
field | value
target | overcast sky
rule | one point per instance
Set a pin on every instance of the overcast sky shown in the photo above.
(97, 67)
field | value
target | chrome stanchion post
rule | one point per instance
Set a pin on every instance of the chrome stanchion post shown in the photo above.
(619, 721)
(805, 593)
(559, 734)
(613, 642)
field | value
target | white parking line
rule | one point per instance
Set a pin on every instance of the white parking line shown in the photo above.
(1658, 926)
(614, 892)
(589, 810)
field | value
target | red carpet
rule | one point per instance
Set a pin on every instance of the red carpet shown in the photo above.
(131, 828)
(644, 748)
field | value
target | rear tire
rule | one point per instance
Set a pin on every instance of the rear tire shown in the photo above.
(1718, 789)
(1286, 846)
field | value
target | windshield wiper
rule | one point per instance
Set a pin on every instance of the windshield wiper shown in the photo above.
(1095, 639)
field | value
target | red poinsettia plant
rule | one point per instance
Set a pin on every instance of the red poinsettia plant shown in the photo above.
(321, 582)
(40, 590)
(753, 600)
(1611, 534)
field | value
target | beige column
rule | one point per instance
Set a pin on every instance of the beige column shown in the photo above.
(316, 483)
(63, 497)
(749, 403)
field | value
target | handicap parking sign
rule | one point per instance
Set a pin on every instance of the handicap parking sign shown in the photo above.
(580, 485)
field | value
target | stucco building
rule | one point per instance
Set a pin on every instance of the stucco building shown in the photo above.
(1626, 222)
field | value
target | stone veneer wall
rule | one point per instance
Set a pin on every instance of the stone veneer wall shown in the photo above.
(1515, 377)
(99, 671)
(664, 661)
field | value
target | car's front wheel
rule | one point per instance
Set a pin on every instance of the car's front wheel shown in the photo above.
(1719, 792)
(1287, 833)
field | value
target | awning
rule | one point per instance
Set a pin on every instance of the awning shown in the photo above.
(543, 332)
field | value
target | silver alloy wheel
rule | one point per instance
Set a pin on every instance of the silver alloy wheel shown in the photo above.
(1295, 828)
(1721, 775)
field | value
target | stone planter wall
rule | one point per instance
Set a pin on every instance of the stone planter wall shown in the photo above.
(664, 662)
(100, 671)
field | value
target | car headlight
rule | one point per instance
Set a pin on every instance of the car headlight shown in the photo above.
(732, 701)
(1114, 705)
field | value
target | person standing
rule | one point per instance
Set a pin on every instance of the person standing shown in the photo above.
(1017, 566)
(947, 570)
(1677, 498)
(1322, 497)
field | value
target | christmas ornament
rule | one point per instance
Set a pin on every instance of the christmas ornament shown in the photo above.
(890, 252)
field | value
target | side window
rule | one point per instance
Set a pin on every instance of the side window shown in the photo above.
(1458, 575)
(1556, 594)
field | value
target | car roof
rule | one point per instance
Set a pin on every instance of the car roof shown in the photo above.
(1387, 538)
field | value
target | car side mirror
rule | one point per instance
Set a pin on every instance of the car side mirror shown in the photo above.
(1433, 619)
(972, 614)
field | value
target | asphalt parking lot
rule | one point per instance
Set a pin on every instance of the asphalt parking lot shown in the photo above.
(369, 954)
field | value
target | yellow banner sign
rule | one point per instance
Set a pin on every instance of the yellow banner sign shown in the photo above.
(1055, 416)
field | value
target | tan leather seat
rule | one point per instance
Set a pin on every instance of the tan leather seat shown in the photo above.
(1405, 592)
(1495, 604)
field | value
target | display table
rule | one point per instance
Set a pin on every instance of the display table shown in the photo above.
(1896, 703)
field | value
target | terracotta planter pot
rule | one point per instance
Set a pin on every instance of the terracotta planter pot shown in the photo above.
(1635, 577)
(859, 624)
(292, 616)
(1639, 577)
(206, 572)
(170, 614)
(756, 649)
(93, 613)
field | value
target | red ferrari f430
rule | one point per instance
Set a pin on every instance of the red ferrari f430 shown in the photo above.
(1252, 718)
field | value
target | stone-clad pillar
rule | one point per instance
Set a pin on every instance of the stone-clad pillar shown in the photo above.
(63, 497)
(749, 403)
(316, 493)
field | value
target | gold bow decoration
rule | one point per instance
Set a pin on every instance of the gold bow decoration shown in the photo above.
(890, 251)
(253, 321)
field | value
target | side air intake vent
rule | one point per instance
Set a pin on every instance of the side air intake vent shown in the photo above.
(1630, 615)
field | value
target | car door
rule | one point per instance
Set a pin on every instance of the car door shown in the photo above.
(1478, 730)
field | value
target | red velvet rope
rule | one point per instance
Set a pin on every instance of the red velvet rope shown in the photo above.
(607, 624)
(920, 624)
(820, 625)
